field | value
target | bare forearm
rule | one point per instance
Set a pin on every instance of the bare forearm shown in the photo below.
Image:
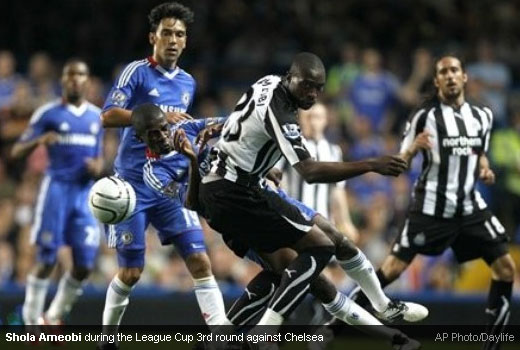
(330, 172)
(22, 149)
(116, 117)
(192, 195)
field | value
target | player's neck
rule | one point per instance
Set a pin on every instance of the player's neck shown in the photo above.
(164, 64)
(74, 102)
(453, 102)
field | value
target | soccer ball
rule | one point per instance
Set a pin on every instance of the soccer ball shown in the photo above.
(111, 200)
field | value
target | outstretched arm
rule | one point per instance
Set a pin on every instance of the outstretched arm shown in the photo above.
(21, 149)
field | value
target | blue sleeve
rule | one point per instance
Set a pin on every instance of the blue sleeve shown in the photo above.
(38, 125)
(124, 88)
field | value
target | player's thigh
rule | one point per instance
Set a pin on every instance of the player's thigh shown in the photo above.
(82, 234)
(128, 238)
(424, 234)
(49, 220)
(252, 217)
(481, 236)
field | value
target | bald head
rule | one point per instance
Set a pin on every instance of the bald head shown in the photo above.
(145, 116)
(151, 126)
(306, 79)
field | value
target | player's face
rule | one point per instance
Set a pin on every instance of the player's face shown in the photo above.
(306, 87)
(450, 78)
(74, 81)
(157, 136)
(169, 40)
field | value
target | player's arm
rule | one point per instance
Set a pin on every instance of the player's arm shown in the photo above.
(35, 135)
(415, 137)
(486, 175)
(182, 145)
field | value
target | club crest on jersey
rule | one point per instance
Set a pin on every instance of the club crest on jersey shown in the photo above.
(64, 127)
(291, 131)
(127, 237)
(94, 128)
(118, 98)
(186, 98)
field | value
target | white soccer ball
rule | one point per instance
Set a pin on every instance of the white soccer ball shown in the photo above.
(111, 200)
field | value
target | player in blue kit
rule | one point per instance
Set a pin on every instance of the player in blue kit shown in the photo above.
(160, 81)
(71, 131)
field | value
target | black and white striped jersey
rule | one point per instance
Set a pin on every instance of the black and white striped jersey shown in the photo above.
(316, 196)
(263, 127)
(446, 186)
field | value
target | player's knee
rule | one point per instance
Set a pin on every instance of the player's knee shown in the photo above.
(199, 265)
(80, 273)
(323, 289)
(346, 249)
(43, 270)
(504, 268)
(130, 275)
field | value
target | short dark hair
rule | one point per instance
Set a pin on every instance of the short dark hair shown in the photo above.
(168, 10)
(143, 115)
(74, 60)
(306, 61)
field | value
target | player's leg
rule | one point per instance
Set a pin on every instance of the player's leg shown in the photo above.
(46, 234)
(181, 227)
(82, 235)
(482, 235)
(128, 238)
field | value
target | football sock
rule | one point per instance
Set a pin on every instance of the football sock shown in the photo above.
(256, 296)
(210, 301)
(362, 271)
(348, 311)
(69, 289)
(296, 278)
(116, 302)
(35, 292)
(498, 310)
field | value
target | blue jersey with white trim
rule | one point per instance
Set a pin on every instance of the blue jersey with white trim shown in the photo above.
(168, 174)
(79, 137)
(141, 82)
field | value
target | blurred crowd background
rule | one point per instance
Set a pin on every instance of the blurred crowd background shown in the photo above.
(379, 55)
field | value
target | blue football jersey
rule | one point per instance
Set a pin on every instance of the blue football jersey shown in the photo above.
(168, 174)
(141, 82)
(79, 137)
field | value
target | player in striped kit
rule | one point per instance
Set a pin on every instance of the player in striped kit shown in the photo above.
(447, 210)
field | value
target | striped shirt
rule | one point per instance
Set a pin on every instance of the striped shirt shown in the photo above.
(262, 128)
(446, 186)
(316, 196)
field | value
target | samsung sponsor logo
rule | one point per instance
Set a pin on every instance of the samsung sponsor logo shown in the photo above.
(166, 108)
(77, 140)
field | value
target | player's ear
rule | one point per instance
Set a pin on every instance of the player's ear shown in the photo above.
(151, 38)
(464, 77)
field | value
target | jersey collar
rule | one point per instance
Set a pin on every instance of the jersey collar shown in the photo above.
(76, 110)
(157, 66)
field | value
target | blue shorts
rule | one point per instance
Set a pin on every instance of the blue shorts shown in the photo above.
(307, 212)
(62, 218)
(174, 223)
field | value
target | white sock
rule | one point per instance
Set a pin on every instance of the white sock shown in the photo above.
(362, 271)
(35, 292)
(271, 318)
(69, 289)
(210, 301)
(348, 311)
(116, 302)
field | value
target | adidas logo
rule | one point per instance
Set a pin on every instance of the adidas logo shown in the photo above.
(154, 92)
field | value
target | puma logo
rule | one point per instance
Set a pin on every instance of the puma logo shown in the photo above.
(250, 295)
(290, 272)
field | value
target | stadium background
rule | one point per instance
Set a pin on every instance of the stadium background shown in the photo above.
(231, 44)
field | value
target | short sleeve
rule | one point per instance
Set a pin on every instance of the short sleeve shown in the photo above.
(124, 88)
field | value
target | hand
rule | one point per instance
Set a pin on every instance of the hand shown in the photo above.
(175, 117)
(422, 141)
(207, 134)
(275, 175)
(94, 166)
(389, 165)
(182, 145)
(487, 176)
(48, 138)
